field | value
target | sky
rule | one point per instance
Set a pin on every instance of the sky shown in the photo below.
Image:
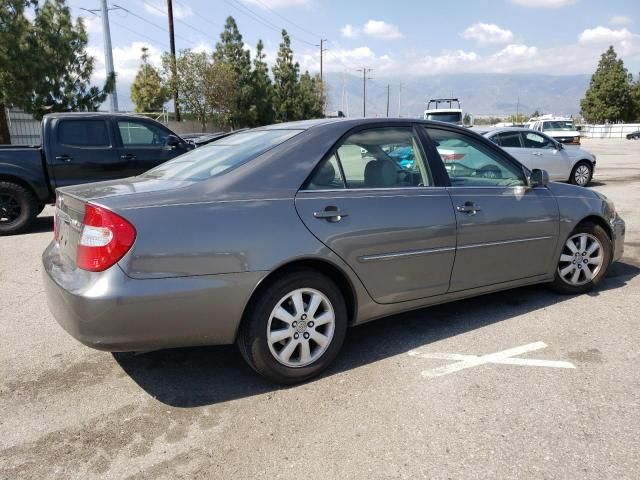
(398, 39)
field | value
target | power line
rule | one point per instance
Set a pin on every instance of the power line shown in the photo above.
(150, 22)
(206, 34)
(287, 20)
(263, 21)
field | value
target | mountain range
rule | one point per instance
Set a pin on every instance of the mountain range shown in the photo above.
(480, 94)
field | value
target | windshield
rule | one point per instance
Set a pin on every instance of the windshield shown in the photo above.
(219, 156)
(450, 117)
(559, 125)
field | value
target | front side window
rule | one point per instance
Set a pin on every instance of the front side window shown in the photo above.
(221, 155)
(386, 157)
(535, 140)
(141, 134)
(83, 133)
(508, 139)
(470, 163)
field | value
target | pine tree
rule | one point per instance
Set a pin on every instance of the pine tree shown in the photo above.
(608, 96)
(310, 97)
(61, 75)
(147, 91)
(230, 50)
(285, 89)
(262, 108)
(635, 101)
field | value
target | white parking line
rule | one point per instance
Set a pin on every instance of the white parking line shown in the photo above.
(503, 357)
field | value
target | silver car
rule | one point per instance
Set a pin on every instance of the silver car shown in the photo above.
(281, 237)
(537, 150)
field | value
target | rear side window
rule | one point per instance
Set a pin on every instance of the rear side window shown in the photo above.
(508, 139)
(219, 156)
(83, 133)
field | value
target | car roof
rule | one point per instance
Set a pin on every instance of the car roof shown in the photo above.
(509, 129)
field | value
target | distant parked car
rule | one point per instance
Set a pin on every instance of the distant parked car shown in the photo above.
(560, 129)
(281, 237)
(634, 135)
(537, 150)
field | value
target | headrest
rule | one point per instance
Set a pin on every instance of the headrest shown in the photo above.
(380, 173)
(325, 176)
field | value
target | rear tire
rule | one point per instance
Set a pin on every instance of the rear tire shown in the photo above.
(295, 328)
(18, 208)
(582, 173)
(584, 260)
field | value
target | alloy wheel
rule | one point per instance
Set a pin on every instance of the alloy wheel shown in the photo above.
(301, 327)
(581, 259)
(582, 175)
(9, 208)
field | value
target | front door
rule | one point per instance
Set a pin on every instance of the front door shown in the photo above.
(144, 145)
(506, 230)
(545, 155)
(373, 202)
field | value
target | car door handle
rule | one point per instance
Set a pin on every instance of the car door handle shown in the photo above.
(331, 214)
(468, 208)
(537, 154)
(64, 158)
(128, 156)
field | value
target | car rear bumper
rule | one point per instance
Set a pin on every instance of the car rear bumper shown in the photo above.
(618, 229)
(111, 311)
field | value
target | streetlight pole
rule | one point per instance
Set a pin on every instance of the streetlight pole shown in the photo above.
(108, 54)
(365, 71)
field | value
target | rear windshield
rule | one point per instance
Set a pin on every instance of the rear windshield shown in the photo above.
(219, 156)
(451, 117)
(559, 125)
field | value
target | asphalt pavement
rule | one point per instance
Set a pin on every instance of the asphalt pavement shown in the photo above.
(519, 384)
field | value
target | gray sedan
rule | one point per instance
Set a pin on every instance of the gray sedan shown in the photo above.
(281, 237)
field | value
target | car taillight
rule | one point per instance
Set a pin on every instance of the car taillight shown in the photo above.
(104, 239)
(449, 157)
(576, 141)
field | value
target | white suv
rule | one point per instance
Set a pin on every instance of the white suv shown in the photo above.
(561, 129)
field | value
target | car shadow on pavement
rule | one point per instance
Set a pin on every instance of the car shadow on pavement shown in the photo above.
(192, 377)
(42, 224)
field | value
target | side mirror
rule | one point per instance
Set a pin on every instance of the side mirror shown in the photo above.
(559, 146)
(173, 141)
(539, 178)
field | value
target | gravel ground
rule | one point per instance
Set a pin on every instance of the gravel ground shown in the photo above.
(67, 411)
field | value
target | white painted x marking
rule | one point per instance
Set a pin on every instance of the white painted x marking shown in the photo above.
(504, 357)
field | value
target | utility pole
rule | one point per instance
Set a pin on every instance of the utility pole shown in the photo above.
(400, 101)
(108, 54)
(322, 50)
(365, 71)
(174, 72)
(388, 100)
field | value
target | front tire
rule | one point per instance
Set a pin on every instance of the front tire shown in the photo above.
(582, 173)
(18, 208)
(584, 260)
(295, 328)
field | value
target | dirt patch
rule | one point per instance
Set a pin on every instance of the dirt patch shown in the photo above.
(592, 355)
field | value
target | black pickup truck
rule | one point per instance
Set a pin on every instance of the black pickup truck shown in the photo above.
(78, 148)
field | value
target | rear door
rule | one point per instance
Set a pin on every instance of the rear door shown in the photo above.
(506, 230)
(82, 150)
(144, 144)
(373, 202)
(512, 143)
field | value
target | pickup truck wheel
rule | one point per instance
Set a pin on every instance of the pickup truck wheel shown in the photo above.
(18, 208)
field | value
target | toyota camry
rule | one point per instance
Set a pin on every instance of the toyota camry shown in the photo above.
(281, 237)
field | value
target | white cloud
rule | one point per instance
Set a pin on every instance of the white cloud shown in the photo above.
(602, 35)
(619, 20)
(486, 33)
(126, 61)
(350, 31)
(373, 28)
(159, 9)
(544, 3)
(381, 29)
(276, 4)
(92, 24)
